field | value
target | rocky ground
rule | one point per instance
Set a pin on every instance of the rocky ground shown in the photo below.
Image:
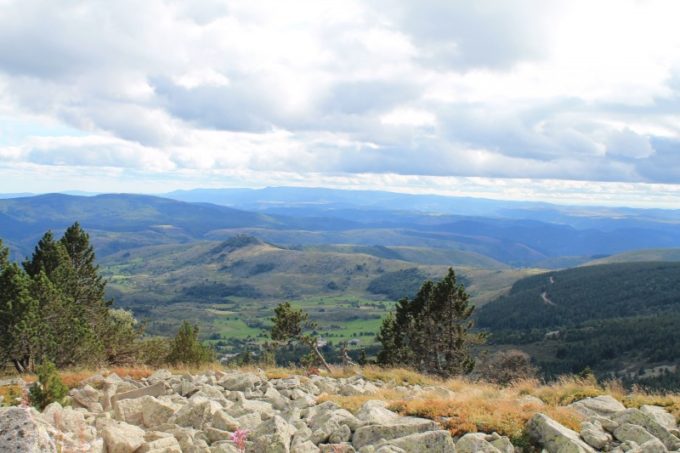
(199, 413)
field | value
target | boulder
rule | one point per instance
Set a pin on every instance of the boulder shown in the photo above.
(555, 437)
(162, 445)
(595, 435)
(196, 413)
(129, 411)
(240, 382)
(637, 417)
(475, 442)
(604, 406)
(400, 427)
(156, 389)
(633, 433)
(431, 442)
(661, 416)
(20, 432)
(156, 412)
(273, 436)
(88, 398)
(121, 437)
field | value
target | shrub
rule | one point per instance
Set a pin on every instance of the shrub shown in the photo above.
(506, 367)
(49, 388)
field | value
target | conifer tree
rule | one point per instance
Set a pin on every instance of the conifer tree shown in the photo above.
(431, 332)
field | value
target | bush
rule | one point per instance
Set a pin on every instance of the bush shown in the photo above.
(49, 388)
(187, 350)
(153, 351)
(506, 367)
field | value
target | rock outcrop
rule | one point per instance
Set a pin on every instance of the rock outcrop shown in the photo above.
(200, 414)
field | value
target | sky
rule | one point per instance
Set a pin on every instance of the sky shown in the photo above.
(568, 101)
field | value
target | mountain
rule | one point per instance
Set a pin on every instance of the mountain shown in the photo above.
(670, 255)
(610, 317)
(230, 287)
(118, 221)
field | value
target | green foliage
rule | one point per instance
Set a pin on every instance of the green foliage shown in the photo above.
(153, 351)
(54, 308)
(186, 349)
(395, 285)
(506, 367)
(432, 332)
(288, 323)
(49, 388)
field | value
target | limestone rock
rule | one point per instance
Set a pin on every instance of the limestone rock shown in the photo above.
(595, 435)
(431, 442)
(555, 437)
(604, 406)
(20, 432)
(400, 427)
(637, 417)
(273, 436)
(634, 433)
(661, 416)
(156, 389)
(121, 437)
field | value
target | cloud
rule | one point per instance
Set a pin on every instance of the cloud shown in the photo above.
(516, 89)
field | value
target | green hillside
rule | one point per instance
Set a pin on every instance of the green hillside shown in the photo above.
(669, 255)
(615, 318)
(231, 286)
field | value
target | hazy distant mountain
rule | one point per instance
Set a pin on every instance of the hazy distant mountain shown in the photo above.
(295, 217)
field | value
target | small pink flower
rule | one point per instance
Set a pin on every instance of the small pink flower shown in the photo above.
(239, 438)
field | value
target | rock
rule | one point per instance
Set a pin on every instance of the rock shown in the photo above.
(121, 437)
(21, 433)
(637, 417)
(653, 446)
(661, 416)
(240, 382)
(159, 375)
(595, 435)
(555, 437)
(475, 442)
(196, 413)
(531, 399)
(273, 436)
(156, 389)
(336, 448)
(224, 421)
(431, 442)
(162, 445)
(87, 397)
(400, 427)
(129, 411)
(340, 435)
(604, 406)
(156, 412)
(634, 433)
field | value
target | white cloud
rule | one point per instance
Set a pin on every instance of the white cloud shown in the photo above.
(520, 89)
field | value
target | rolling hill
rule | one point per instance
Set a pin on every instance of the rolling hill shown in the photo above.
(243, 278)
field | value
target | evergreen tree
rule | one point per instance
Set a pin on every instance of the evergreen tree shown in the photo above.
(19, 319)
(289, 325)
(431, 332)
(47, 257)
(187, 349)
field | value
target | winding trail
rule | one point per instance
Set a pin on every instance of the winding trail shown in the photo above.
(544, 294)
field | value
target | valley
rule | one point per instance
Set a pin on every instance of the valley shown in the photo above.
(575, 287)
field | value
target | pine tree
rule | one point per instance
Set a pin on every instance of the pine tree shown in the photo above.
(19, 319)
(432, 332)
(289, 326)
(186, 349)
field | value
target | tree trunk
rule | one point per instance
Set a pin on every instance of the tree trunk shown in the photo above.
(321, 359)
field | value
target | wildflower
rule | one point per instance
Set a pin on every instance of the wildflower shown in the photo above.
(239, 438)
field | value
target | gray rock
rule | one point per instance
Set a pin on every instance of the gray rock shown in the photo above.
(87, 397)
(431, 442)
(475, 442)
(401, 427)
(555, 437)
(661, 416)
(157, 389)
(273, 436)
(20, 432)
(634, 433)
(604, 406)
(637, 417)
(595, 435)
(121, 437)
